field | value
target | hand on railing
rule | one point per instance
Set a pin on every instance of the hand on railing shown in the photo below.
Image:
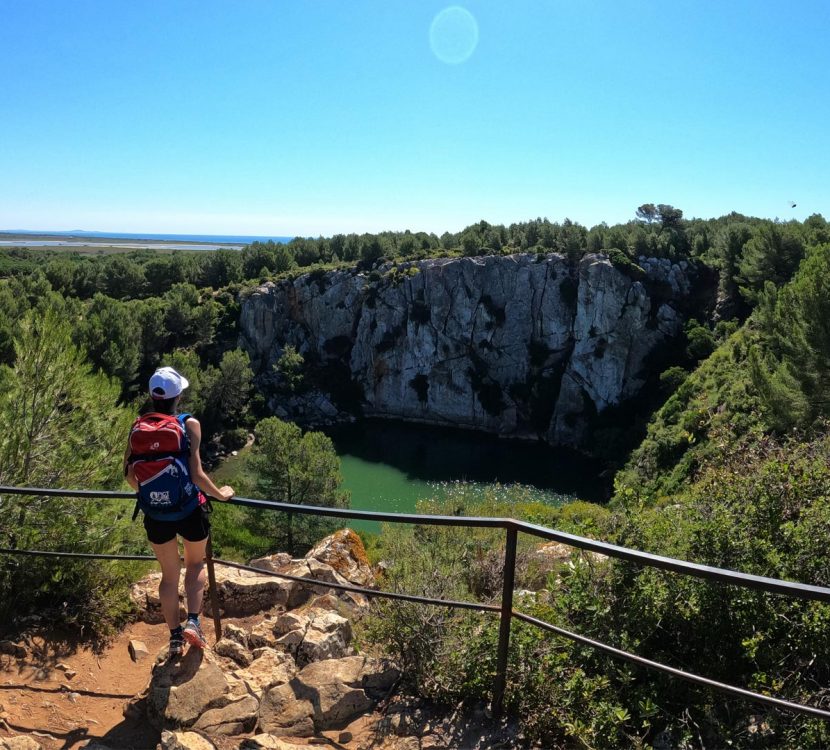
(225, 493)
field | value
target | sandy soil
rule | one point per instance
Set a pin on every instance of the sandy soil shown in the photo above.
(42, 697)
(65, 695)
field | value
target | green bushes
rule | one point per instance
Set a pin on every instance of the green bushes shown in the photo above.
(60, 427)
(760, 508)
(449, 655)
(715, 406)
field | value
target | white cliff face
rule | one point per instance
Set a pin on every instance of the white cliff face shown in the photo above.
(517, 345)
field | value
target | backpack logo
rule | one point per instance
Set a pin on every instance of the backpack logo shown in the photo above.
(159, 497)
(155, 446)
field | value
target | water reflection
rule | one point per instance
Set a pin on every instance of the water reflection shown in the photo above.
(403, 462)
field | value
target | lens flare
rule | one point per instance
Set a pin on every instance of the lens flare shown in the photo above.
(453, 35)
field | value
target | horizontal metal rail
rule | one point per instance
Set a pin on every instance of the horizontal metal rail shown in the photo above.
(733, 577)
(79, 555)
(679, 673)
(306, 510)
(366, 592)
(772, 585)
(723, 575)
(299, 579)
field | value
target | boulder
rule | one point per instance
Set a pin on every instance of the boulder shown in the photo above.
(325, 695)
(549, 557)
(344, 552)
(185, 741)
(269, 668)
(235, 718)
(327, 636)
(284, 713)
(344, 688)
(180, 691)
(271, 562)
(234, 651)
(242, 593)
(314, 632)
(20, 742)
(269, 742)
(262, 634)
(235, 633)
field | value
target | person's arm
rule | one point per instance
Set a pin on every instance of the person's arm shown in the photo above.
(129, 471)
(197, 473)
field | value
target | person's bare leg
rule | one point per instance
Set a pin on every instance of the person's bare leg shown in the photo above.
(168, 556)
(194, 576)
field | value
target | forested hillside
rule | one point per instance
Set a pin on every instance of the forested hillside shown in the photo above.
(731, 470)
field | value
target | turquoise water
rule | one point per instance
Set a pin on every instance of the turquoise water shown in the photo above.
(390, 466)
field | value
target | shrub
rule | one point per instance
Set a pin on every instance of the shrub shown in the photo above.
(235, 439)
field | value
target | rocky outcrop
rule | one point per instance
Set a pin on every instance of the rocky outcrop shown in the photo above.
(288, 678)
(339, 558)
(214, 694)
(292, 673)
(325, 695)
(519, 345)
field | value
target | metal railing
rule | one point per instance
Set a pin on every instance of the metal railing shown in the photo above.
(505, 610)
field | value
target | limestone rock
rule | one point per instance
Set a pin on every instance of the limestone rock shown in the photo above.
(20, 742)
(271, 562)
(185, 741)
(344, 688)
(138, 650)
(316, 571)
(328, 636)
(283, 713)
(233, 650)
(549, 558)
(325, 695)
(269, 742)
(269, 668)
(312, 634)
(344, 552)
(616, 326)
(262, 634)
(235, 718)
(181, 691)
(243, 593)
(289, 621)
(447, 341)
(235, 633)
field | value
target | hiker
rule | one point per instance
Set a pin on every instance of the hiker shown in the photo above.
(162, 462)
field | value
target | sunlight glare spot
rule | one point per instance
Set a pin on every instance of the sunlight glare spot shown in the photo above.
(453, 35)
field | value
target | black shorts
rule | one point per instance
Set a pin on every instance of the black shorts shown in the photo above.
(194, 527)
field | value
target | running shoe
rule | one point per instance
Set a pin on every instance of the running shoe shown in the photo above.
(193, 634)
(176, 647)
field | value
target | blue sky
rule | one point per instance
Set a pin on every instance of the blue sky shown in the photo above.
(320, 116)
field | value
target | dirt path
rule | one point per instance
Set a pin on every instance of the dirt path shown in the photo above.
(64, 695)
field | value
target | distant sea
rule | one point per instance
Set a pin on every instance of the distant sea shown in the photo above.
(215, 239)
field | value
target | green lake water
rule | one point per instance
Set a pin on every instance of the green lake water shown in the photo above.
(389, 466)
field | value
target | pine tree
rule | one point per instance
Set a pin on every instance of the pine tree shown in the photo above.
(60, 428)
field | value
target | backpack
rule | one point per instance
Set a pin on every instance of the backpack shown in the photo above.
(160, 455)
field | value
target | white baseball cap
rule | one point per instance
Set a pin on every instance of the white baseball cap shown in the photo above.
(167, 383)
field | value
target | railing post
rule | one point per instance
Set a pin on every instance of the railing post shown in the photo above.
(509, 577)
(214, 594)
